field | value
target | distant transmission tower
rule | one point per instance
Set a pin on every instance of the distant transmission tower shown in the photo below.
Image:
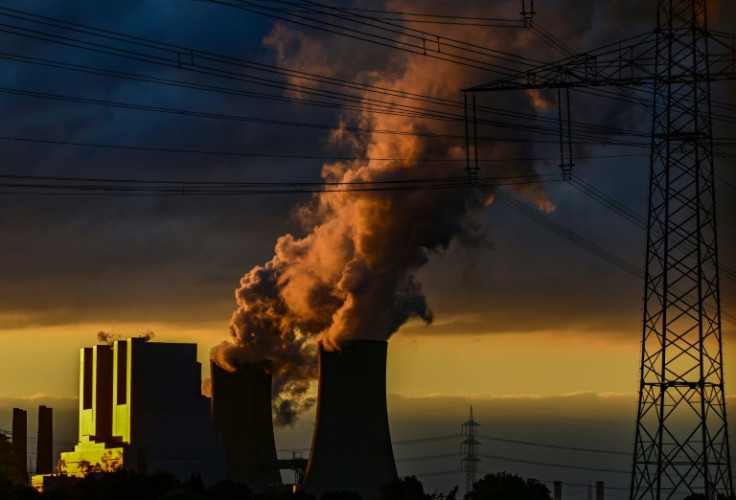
(469, 448)
(297, 462)
(681, 444)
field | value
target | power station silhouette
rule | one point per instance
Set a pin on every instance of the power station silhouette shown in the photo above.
(141, 409)
(138, 398)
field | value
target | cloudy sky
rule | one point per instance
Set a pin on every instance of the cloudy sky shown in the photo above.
(156, 152)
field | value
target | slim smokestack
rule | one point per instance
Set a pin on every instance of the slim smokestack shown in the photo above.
(44, 443)
(351, 445)
(20, 446)
(599, 487)
(557, 495)
(241, 411)
(6, 456)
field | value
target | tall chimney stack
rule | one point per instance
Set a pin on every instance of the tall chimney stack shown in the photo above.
(241, 412)
(45, 441)
(351, 444)
(20, 446)
(599, 490)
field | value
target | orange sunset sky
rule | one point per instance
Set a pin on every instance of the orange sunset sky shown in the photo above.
(123, 205)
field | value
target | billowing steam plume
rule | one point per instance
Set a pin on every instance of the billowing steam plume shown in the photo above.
(352, 276)
(104, 337)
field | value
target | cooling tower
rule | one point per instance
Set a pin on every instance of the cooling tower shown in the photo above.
(351, 445)
(241, 412)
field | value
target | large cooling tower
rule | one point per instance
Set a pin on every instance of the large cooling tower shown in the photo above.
(351, 445)
(241, 412)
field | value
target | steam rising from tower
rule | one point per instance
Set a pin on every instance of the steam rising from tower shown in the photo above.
(352, 275)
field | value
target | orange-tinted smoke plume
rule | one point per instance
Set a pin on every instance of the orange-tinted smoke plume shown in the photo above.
(352, 276)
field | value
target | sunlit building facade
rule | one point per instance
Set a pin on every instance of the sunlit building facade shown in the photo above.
(141, 408)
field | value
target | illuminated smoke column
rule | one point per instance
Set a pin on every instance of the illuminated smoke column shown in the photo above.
(352, 275)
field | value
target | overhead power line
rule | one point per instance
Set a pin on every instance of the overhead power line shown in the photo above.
(438, 473)
(379, 32)
(283, 123)
(480, 63)
(431, 439)
(427, 18)
(555, 446)
(337, 99)
(596, 194)
(180, 53)
(293, 156)
(579, 240)
(582, 131)
(207, 63)
(538, 217)
(32, 184)
(203, 114)
(558, 465)
(343, 12)
(429, 457)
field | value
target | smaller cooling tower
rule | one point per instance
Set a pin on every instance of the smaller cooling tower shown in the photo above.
(241, 412)
(351, 444)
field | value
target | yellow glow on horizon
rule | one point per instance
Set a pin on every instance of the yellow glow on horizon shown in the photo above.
(45, 360)
(542, 363)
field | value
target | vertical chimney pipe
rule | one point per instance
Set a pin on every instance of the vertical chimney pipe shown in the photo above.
(20, 446)
(557, 487)
(45, 441)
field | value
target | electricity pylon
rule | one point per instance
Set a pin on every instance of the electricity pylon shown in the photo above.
(681, 444)
(469, 447)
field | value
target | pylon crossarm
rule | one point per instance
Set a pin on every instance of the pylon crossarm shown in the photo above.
(626, 63)
(628, 60)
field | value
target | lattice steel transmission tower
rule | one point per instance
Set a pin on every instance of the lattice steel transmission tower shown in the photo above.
(681, 444)
(469, 447)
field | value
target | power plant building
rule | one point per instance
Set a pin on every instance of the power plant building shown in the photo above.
(141, 408)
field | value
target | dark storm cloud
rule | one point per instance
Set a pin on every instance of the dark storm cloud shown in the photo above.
(65, 258)
(533, 280)
(146, 253)
(354, 275)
